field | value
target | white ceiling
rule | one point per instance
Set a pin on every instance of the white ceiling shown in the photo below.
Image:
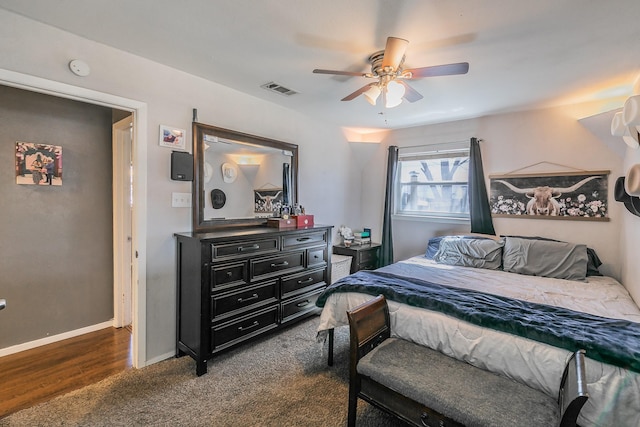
(523, 54)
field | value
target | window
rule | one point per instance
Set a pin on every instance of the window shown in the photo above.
(433, 184)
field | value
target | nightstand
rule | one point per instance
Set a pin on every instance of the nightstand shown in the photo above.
(364, 257)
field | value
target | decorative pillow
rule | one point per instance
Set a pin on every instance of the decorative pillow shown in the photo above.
(467, 251)
(547, 258)
(593, 261)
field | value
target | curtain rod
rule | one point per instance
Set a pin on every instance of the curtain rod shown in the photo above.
(439, 143)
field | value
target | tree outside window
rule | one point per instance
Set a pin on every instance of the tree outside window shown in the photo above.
(433, 185)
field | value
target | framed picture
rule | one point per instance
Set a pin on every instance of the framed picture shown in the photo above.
(573, 195)
(172, 137)
(38, 164)
(267, 201)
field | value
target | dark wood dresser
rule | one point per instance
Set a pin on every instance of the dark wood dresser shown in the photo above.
(237, 284)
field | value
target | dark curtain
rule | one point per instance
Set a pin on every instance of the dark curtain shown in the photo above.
(386, 251)
(479, 209)
(286, 184)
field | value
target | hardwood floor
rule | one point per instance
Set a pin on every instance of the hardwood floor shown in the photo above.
(37, 375)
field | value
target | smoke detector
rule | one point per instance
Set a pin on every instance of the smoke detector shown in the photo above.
(79, 68)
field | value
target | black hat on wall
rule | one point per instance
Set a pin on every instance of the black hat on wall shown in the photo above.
(630, 202)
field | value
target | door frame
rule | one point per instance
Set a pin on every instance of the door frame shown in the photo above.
(139, 153)
(123, 259)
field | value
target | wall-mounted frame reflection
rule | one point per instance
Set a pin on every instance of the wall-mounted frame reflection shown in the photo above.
(267, 201)
(259, 162)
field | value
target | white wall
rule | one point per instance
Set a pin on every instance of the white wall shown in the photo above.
(511, 142)
(324, 157)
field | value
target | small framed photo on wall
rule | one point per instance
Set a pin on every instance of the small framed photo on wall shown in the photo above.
(172, 137)
(38, 164)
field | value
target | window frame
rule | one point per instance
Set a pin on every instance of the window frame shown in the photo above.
(447, 217)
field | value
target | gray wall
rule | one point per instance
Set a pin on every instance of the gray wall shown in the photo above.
(56, 255)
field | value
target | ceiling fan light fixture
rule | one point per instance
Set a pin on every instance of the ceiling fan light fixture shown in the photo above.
(372, 94)
(394, 92)
(387, 66)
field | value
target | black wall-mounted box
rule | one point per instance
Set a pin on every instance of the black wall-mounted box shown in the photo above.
(181, 166)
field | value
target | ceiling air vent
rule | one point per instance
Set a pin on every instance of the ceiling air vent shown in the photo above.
(277, 88)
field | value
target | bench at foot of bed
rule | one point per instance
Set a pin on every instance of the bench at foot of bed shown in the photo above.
(427, 388)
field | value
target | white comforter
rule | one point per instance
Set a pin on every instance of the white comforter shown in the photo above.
(614, 392)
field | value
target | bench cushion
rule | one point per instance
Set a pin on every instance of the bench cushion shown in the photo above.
(456, 389)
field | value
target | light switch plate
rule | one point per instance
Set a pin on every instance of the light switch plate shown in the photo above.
(180, 200)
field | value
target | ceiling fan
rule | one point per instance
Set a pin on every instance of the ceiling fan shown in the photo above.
(386, 68)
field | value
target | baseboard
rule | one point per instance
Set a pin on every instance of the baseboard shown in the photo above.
(160, 358)
(55, 338)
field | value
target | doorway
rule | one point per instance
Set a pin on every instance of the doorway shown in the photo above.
(139, 184)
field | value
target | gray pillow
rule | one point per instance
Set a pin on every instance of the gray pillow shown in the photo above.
(479, 253)
(560, 260)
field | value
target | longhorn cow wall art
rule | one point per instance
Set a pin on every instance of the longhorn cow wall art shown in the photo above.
(573, 195)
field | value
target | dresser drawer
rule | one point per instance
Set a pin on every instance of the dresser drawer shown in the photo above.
(368, 256)
(252, 297)
(316, 256)
(302, 282)
(227, 275)
(230, 333)
(268, 267)
(300, 306)
(306, 239)
(248, 247)
(370, 265)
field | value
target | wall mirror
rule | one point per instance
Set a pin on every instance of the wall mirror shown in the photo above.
(240, 179)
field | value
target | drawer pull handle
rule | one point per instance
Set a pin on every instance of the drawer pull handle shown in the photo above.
(303, 303)
(249, 248)
(309, 280)
(229, 274)
(252, 297)
(253, 325)
(303, 239)
(282, 264)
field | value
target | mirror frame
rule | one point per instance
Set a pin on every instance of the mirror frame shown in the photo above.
(200, 224)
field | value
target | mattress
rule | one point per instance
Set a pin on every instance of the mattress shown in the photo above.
(614, 392)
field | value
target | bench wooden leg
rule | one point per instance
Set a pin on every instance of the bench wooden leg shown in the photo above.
(330, 355)
(353, 403)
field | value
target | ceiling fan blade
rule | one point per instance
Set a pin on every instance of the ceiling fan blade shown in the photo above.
(410, 94)
(339, 73)
(439, 70)
(358, 92)
(393, 52)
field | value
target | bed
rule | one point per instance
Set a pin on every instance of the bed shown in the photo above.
(525, 274)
